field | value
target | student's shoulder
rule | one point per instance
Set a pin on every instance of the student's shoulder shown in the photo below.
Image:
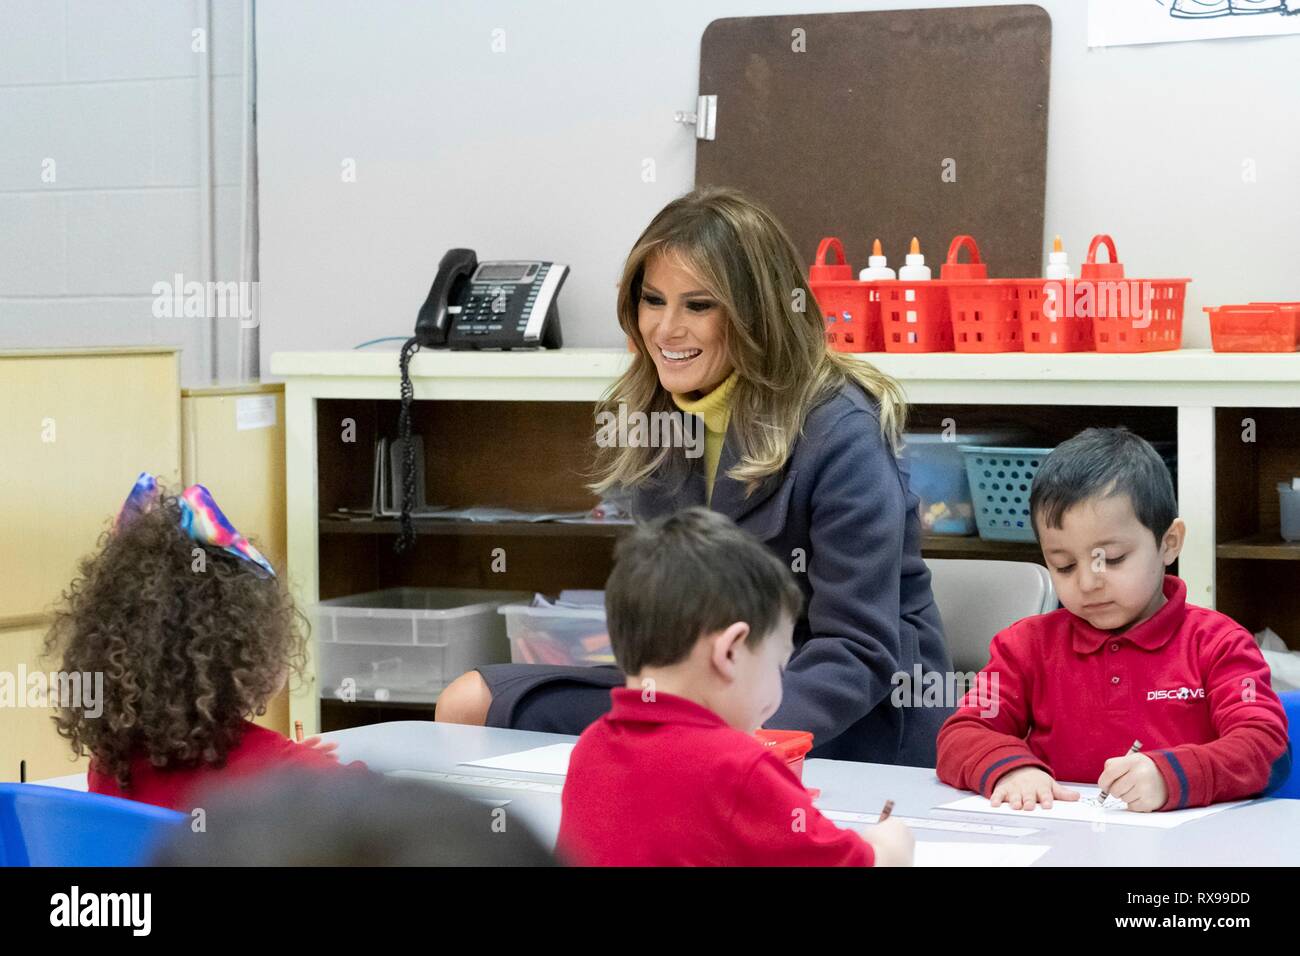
(717, 754)
(1036, 635)
(258, 738)
(1215, 633)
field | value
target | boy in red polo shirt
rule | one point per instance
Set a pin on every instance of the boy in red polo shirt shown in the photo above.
(701, 619)
(1126, 657)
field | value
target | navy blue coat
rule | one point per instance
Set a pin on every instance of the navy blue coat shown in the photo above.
(842, 502)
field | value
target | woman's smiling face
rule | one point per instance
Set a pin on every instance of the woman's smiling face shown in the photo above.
(683, 327)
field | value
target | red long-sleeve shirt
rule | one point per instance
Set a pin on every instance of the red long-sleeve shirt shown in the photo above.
(1062, 695)
(258, 751)
(668, 783)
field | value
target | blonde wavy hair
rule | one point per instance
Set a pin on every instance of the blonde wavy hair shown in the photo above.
(742, 255)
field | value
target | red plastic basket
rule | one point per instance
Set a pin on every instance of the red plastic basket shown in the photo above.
(790, 745)
(1129, 315)
(915, 316)
(1256, 327)
(984, 315)
(851, 309)
(1047, 323)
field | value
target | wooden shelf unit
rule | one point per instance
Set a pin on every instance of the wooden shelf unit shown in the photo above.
(1255, 448)
(514, 430)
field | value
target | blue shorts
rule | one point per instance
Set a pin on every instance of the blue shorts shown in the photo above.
(549, 698)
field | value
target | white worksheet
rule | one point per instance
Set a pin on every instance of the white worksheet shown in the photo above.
(1086, 810)
(937, 853)
(1121, 22)
(553, 759)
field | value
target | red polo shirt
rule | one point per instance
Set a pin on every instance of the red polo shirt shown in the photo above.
(258, 751)
(1189, 683)
(668, 783)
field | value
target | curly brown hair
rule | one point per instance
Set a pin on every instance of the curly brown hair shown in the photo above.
(188, 648)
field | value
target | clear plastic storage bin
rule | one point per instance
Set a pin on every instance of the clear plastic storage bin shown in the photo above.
(557, 635)
(407, 644)
(938, 476)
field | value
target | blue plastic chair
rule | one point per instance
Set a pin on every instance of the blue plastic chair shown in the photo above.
(51, 826)
(1291, 704)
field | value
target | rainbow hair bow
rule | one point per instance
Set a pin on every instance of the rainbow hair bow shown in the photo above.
(201, 519)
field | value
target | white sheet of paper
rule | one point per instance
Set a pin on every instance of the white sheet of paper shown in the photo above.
(553, 759)
(938, 853)
(254, 411)
(72, 781)
(1085, 810)
(1122, 22)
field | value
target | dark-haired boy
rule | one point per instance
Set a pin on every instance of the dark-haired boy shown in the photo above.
(701, 619)
(1126, 657)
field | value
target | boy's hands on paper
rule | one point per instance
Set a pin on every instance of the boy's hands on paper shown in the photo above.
(1027, 788)
(1136, 780)
(892, 841)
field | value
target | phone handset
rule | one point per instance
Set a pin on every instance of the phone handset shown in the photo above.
(434, 321)
(431, 329)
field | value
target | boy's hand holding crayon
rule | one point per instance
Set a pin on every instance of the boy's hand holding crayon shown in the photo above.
(892, 841)
(1136, 780)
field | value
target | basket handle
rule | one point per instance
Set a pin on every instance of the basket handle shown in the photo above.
(826, 245)
(954, 249)
(1099, 240)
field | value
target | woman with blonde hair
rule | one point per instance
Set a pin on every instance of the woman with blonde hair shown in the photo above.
(800, 449)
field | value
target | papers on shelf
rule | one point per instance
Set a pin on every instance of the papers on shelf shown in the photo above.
(576, 599)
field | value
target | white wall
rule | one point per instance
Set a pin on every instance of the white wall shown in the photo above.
(537, 151)
(533, 151)
(110, 93)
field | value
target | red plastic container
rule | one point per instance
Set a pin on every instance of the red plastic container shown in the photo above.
(1047, 324)
(984, 310)
(1129, 315)
(915, 315)
(850, 308)
(790, 745)
(1256, 327)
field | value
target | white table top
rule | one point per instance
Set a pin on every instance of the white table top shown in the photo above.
(1263, 833)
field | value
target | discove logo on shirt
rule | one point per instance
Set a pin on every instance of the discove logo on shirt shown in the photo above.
(1178, 693)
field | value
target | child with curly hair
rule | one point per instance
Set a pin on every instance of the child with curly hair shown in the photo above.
(194, 634)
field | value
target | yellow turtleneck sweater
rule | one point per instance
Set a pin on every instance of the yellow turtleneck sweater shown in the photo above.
(715, 409)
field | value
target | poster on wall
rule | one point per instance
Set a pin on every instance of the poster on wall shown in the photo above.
(1123, 22)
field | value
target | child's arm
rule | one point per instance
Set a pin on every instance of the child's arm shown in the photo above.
(771, 821)
(985, 739)
(1251, 755)
(315, 753)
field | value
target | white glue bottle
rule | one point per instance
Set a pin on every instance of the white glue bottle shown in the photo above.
(877, 268)
(915, 270)
(1058, 263)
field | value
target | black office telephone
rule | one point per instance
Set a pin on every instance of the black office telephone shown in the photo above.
(508, 304)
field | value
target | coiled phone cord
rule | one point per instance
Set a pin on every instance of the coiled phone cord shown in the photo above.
(406, 537)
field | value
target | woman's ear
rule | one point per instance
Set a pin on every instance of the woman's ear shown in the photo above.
(724, 645)
(1172, 543)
